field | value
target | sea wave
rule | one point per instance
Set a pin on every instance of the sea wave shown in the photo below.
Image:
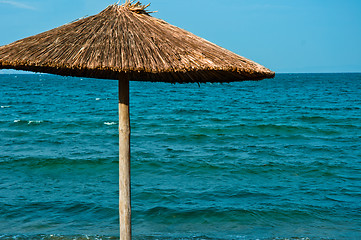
(110, 123)
(39, 162)
(56, 237)
(30, 122)
(142, 237)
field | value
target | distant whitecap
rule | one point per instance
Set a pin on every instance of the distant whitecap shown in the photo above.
(34, 122)
(5, 106)
(110, 123)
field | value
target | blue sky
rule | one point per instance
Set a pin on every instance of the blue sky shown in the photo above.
(283, 35)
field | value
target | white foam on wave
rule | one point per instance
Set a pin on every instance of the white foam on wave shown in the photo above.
(97, 99)
(35, 122)
(110, 123)
(29, 122)
(5, 106)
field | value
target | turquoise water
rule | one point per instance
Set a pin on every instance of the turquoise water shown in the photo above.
(274, 159)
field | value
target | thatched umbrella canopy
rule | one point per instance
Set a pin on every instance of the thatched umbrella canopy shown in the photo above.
(124, 43)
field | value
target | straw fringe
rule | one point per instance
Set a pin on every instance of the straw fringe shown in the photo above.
(137, 7)
(118, 43)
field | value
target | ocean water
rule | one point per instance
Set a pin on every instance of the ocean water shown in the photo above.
(273, 159)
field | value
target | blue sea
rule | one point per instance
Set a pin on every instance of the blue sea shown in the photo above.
(272, 159)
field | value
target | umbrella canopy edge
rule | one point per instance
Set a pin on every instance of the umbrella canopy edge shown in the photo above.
(189, 76)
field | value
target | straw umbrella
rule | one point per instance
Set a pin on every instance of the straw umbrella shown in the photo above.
(123, 42)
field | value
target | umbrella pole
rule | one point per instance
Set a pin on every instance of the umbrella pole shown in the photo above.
(124, 161)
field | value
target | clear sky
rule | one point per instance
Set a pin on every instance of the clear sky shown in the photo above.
(283, 35)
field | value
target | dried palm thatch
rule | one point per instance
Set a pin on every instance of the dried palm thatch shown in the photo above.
(137, 7)
(125, 42)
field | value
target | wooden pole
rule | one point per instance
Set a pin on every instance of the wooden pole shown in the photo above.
(124, 162)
